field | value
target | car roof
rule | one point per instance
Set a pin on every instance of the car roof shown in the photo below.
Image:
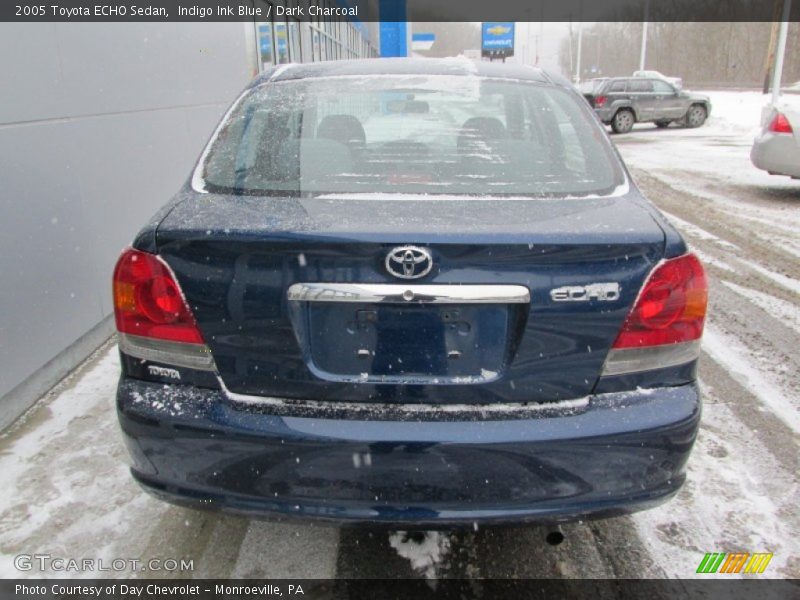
(409, 66)
(637, 79)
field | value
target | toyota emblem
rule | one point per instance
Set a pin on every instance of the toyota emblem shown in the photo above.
(409, 262)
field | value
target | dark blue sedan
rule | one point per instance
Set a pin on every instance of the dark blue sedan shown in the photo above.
(410, 292)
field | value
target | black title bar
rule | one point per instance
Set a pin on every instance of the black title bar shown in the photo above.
(416, 10)
(385, 589)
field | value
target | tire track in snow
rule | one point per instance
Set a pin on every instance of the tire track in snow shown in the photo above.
(785, 312)
(725, 236)
(724, 350)
(742, 475)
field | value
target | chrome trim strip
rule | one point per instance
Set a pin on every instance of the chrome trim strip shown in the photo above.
(389, 411)
(634, 360)
(405, 294)
(176, 354)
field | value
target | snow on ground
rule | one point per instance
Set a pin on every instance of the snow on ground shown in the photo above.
(737, 497)
(786, 282)
(67, 493)
(698, 232)
(722, 148)
(726, 504)
(718, 154)
(425, 550)
(785, 311)
(753, 367)
(64, 468)
(744, 224)
(711, 260)
(743, 365)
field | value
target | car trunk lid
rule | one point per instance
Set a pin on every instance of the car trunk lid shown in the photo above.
(522, 302)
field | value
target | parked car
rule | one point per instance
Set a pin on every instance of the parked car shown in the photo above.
(480, 320)
(776, 149)
(623, 101)
(674, 81)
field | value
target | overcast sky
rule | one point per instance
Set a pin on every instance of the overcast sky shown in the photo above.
(549, 37)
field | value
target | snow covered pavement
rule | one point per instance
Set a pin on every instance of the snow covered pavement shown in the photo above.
(743, 485)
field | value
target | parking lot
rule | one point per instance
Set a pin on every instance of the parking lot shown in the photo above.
(68, 492)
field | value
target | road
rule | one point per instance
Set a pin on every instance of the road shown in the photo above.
(67, 491)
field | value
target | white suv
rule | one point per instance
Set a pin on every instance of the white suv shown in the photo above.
(676, 81)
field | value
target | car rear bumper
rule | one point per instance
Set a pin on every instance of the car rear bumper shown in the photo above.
(606, 115)
(610, 454)
(777, 153)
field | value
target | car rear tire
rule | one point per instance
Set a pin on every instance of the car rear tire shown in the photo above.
(663, 124)
(696, 116)
(623, 121)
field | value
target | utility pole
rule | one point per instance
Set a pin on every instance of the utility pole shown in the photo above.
(570, 50)
(541, 30)
(778, 71)
(643, 53)
(597, 54)
(578, 60)
(773, 36)
(580, 42)
(528, 42)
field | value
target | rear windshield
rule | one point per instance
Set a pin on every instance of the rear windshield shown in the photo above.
(618, 86)
(409, 134)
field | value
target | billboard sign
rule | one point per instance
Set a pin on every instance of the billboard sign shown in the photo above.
(497, 39)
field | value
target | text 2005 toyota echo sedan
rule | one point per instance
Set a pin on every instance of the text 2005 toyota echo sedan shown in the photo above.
(410, 292)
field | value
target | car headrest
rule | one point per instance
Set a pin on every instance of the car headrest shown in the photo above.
(345, 129)
(479, 131)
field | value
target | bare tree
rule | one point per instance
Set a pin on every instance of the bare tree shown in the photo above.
(714, 53)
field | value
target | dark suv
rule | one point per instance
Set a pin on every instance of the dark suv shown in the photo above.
(623, 101)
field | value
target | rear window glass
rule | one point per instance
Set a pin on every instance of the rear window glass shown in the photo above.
(662, 87)
(410, 134)
(643, 85)
(617, 86)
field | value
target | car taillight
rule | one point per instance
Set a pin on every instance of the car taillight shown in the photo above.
(666, 322)
(599, 101)
(153, 319)
(780, 124)
(671, 307)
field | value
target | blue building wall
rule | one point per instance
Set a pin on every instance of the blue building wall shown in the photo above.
(394, 28)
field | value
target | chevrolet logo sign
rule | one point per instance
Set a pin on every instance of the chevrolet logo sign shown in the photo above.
(498, 30)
